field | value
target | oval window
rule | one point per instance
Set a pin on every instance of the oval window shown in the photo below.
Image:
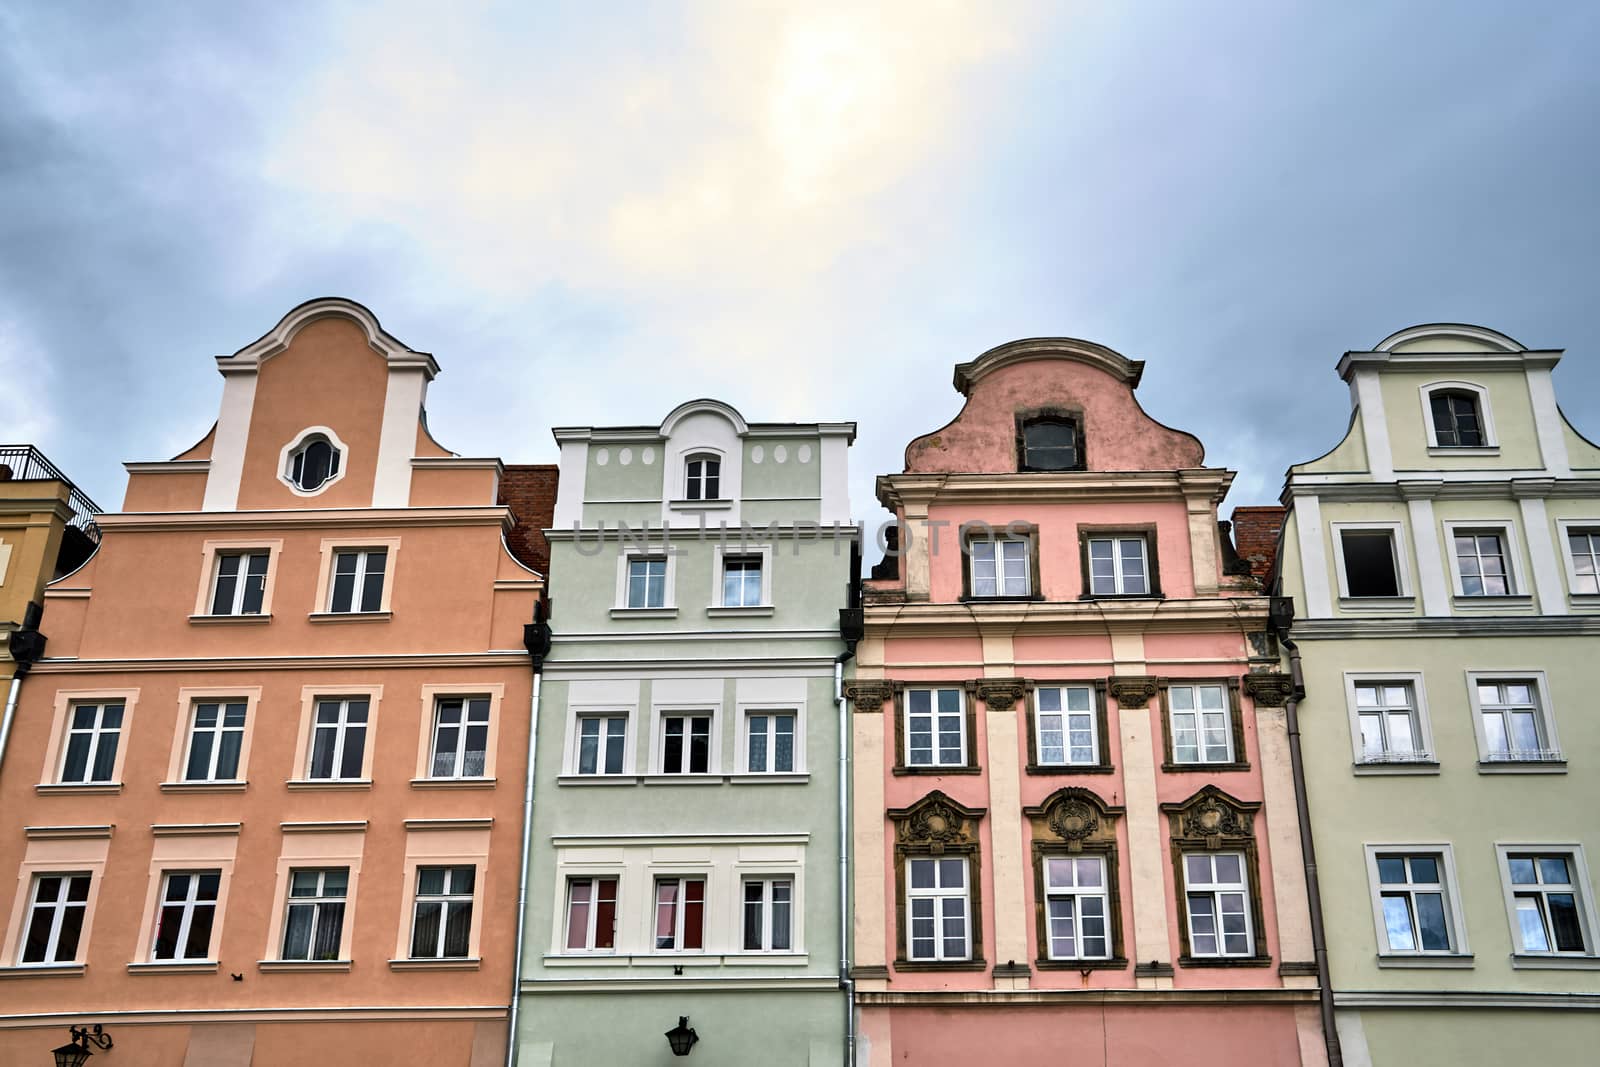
(313, 464)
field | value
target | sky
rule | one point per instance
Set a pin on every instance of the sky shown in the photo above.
(592, 212)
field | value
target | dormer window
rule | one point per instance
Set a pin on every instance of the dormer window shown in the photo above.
(314, 461)
(703, 478)
(1457, 421)
(1049, 443)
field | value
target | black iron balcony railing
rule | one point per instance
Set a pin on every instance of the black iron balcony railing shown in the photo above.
(24, 463)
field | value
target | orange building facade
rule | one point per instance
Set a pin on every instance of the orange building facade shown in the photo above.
(263, 797)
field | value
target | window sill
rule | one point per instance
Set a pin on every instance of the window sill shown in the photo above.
(1555, 963)
(599, 779)
(299, 784)
(1382, 605)
(1015, 598)
(941, 965)
(1043, 769)
(174, 967)
(1192, 768)
(644, 613)
(1463, 450)
(44, 970)
(286, 966)
(232, 786)
(1379, 769)
(1091, 597)
(905, 771)
(1115, 963)
(470, 963)
(350, 616)
(1224, 961)
(658, 778)
(700, 505)
(207, 620)
(1421, 961)
(1492, 603)
(1530, 766)
(89, 789)
(756, 611)
(769, 778)
(452, 783)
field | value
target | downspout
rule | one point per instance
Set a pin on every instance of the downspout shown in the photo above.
(536, 636)
(1308, 851)
(26, 645)
(846, 984)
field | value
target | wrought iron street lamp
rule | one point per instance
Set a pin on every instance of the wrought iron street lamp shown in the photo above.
(682, 1037)
(77, 1051)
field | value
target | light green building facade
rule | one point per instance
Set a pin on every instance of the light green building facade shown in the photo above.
(1442, 564)
(685, 858)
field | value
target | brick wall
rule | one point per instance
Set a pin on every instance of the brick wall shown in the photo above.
(1255, 537)
(529, 490)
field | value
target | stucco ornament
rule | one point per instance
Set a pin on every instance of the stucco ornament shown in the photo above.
(1213, 817)
(1074, 815)
(868, 696)
(1269, 689)
(936, 822)
(1132, 690)
(1001, 694)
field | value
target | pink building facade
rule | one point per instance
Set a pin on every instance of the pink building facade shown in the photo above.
(1074, 824)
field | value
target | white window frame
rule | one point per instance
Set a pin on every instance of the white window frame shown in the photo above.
(236, 607)
(591, 923)
(682, 878)
(1215, 891)
(1491, 443)
(575, 747)
(444, 900)
(58, 909)
(658, 736)
(363, 556)
(720, 553)
(933, 710)
(1077, 895)
(1507, 531)
(937, 894)
(1199, 713)
(1459, 951)
(1397, 546)
(1551, 759)
(315, 903)
(669, 603)
(996, 545)
(217, 732)
(1582, 887)
(97, 735)
(1426, 761)
(1565, 528)
(1118, 579)
(286, 460)
(767, 882)
(189, 905)
(459, 761)
(341, 728)
(746, 711)
(1066, 727)
(703, 456)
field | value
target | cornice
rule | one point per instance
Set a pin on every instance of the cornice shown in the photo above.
(1125, 370)
(1069, 617)
(394, 351)
(278, 663)
(1442, 485)
(169, 466)
(331, 518)
(1489, 626)
(1064, 487)
(1089, 996)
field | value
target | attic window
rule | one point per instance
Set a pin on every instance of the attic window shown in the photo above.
(313, 462)
(703, 478)
(1049, 443)
(1457, 419)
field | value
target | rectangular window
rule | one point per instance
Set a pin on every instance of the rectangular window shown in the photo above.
(999, 567)
(460, 737)
(188, 908)
(216, 736)
(1584, 546)
(1077, 907)
(1481, 563)
(741, 581)
(1456, 420)
(338, 738)
(1370, 567)
(1546, 903)
(1117, 567)
(602, 740)
(768, 915)
(1513, 724)
(1065, 726)
(314, 927)
(1201, 728)
(93, 733)
(1414, 902)
(358, 580)
(702, 478)
(935, 728)
(1218, 900)
(441, 923)
(936, 898)
(647, 583)
(591, 914)
(685, 744)
(769, 742)
(240, 585)
(1390, 730)
(55, 918)
(680, 914)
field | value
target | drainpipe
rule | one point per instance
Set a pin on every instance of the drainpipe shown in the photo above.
(846, 983)
(26, 645)
(536, 636)
(1319, 935)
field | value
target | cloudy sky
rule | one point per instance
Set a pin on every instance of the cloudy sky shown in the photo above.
(590, 212)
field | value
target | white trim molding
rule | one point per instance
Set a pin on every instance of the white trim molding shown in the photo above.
(1460, 952)
(1582, 887)
(1491, 443)
(1426, 761)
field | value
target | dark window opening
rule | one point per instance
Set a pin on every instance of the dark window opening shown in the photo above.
(1050, 443)
(1369, 568)
(1457, 422)
(703, 479)
(314, 464)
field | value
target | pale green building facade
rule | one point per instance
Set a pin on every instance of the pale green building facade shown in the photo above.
(685, 858)
(1442, 562)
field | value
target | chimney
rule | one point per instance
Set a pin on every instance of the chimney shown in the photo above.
(1255, 537)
